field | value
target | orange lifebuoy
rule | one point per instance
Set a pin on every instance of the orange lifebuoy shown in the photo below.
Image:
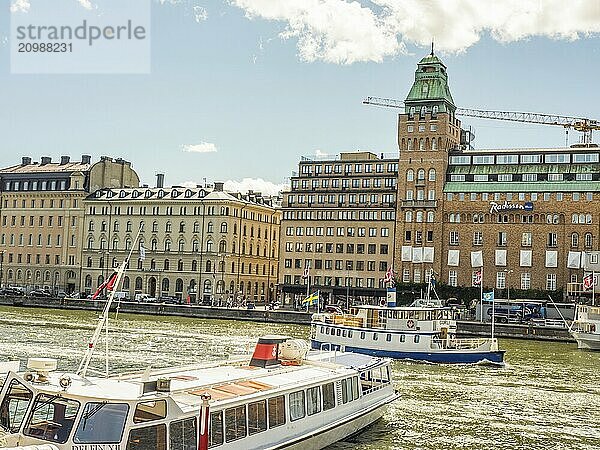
(410, 323)
(382, 302)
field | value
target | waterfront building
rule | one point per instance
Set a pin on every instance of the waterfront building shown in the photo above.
(41, 210)
(338, 227)
(532, 212)
(226, 243)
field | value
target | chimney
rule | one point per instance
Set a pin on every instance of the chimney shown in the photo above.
(219, 186)
(160, 180)
(25, 160)
(46, 160)
(64, 160)
(86, 159)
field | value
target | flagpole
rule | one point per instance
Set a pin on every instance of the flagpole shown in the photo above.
(481, 290)
(494, 311)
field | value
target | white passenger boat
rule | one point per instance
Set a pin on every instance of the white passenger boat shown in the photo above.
(586, 327)
(284, 397)
(416, 332)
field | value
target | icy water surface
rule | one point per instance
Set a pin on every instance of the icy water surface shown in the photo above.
(548, 395)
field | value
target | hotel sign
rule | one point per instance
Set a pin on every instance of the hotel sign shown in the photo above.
(501, 207)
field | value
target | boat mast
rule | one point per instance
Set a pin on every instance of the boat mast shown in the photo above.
(103, 319)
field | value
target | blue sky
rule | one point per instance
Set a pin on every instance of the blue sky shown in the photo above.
(264, 84)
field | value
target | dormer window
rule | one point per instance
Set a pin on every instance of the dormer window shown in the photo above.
(423, 112)
(411, 112)
(425, 89)
(434, 111)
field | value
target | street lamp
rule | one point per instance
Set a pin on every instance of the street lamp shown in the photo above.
(506, 271)
(1, 271)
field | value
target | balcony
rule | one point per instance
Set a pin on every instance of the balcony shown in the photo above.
(419, 204)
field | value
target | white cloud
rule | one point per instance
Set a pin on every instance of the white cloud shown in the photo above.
(256, 185)
(87, 4)
(19, 6)
(202, 147)
(200, 13)
(343, 31)
(320, 153)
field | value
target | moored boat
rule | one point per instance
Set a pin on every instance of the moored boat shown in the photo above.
(416, 332)
(284, 397)
(586, 327)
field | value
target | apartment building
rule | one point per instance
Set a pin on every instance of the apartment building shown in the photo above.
(225, 242)
(338, 227)
(41, 216)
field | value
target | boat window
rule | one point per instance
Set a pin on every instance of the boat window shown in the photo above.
(154, 437)
(257, 417)
(215, 436)
(235, 423)
(344, 334)
(362, 335)
(182, 434)
(355, 393)
(14, 406)
(297, 406)
(101, 422)
(338, 332)
(417, 338)
(328, 396)
(322, 329)
(388, 337)
(346, 390)
(402, 338)
(376, 377)
(375, 336)
(385, 375)
(52, 418)
(349, 333)
(313, 400)
(149, 411)
(276, 411)
(327, 330)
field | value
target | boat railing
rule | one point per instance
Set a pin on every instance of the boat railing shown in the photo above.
(459, 343)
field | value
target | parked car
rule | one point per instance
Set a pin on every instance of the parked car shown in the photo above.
(144, 298)
(40, 293)
(12, 291)
(170, 300)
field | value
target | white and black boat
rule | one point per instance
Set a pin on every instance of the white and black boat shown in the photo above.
(586, 327)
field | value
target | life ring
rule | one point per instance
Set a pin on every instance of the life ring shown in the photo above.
(382, 302)
(410, 323)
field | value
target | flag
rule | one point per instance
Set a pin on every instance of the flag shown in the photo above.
(588, 282)
(312, 299)
(306, 273)
(389, 275)
(432, 280)
(110, 282)
(477, 278)
(488, 296)
(142, 252)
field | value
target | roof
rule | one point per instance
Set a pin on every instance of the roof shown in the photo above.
(46, 168)
(431, 85)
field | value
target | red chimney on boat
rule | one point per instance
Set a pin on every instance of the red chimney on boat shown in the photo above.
(266, 351)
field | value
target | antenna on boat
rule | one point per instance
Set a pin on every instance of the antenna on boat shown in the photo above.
(103, 319)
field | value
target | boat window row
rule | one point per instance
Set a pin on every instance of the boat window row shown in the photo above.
(434, 314)
(337, 331)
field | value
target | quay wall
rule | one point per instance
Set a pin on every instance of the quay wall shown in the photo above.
(465, 328)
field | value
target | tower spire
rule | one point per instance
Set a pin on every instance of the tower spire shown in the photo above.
(432, 47)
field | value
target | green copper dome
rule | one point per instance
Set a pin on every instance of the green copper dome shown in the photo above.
(430, 87)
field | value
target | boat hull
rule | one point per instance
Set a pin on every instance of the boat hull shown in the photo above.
(443, 357)
(587, 341)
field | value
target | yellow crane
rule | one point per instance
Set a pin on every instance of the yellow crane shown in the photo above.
(581, 124)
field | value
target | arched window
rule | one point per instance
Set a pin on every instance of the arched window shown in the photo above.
(411, 112)
(116, 226)
(155, 227)
(581, 218)
(90, 244)
(208, 266)
(587, 240)
(195, 246)
(166, 265)
(194, 265)
(101, 263)
(408, 216)
(209, 246)
(127, 244)
(588, 218)
(419, 216)
(221, 266)
(153, 264)
(181, 246)
(207, 287)
(409, 145)
(235, 228)
(168, 227)
(223, 247)
(421, 144)
(154, 244)
(196, 227)
(165, 285)
(574, 240)
(434, 144)
(224, 227)
(179, 285)
(138, 284)
(431, 174)
(115, 245)
(423, 111)
(430, 216)
(182, 227)
(210, 227)
(103, 226)
(91, 226)
(103, 245)
(434, 111)
(421, 175)
(410, 175)
(128, 226)
(167, 245)
(125, 283)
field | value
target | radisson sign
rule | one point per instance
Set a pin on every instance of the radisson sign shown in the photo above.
(500, 207)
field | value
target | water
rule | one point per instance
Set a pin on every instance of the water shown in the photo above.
(548, 395)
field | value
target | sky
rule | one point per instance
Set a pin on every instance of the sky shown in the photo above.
(239, 90)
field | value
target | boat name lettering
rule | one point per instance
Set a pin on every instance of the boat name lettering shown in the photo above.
(97, 447)
(499, 207)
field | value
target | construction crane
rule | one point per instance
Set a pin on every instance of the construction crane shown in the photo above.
(586, 126)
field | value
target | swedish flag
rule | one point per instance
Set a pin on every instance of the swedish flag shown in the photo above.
(311, 300)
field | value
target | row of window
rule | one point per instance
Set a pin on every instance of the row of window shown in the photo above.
(523, 218)
(418, 235)
(549, 158)
(526, 239)
(338, 264)
(340, 199)
(337, 281)
(339, 231)
(311, 214)
(318, 247)
(343, 183)
(42, 203)
(505, 177)
(35, 259)
(49, 222)
(38, 185)
(39, 241)
(317, 169)
(521, 196)
(363, 335)
(501, 279)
